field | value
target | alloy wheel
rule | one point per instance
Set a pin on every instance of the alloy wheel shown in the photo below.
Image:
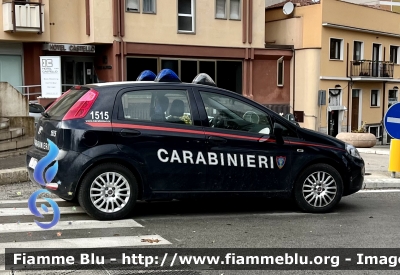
(110, 192)
(319, 189)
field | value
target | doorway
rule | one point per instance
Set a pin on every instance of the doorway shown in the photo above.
(333, 119)
(77, 71)
(355, 109)
(376, 53)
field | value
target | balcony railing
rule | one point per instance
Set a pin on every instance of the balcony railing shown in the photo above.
(23, 16)
(370, 68)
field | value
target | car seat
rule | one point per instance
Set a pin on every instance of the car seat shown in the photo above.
(176, 111)
(161, 106)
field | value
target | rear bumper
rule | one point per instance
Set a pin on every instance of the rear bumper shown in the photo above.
(70, 168)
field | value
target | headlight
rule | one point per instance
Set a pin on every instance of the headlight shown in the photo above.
(352, 151)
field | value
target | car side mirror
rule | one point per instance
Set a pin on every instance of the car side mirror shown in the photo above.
(278, 130)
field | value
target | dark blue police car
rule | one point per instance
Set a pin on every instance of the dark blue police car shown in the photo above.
(158, 138)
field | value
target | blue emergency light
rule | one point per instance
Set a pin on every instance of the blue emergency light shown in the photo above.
(146, 75)
(167, 75)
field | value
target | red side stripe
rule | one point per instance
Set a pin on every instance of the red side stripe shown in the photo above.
(198, 132)
(317, 145)
(166, 129)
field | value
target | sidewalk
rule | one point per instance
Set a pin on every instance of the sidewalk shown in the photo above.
(377, 176)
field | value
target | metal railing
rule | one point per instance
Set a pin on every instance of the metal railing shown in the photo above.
(370, 68)
(34, 91)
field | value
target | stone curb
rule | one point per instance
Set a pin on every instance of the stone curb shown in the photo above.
(14, 153)
(382, 183)
(14, 175)
(373, 151)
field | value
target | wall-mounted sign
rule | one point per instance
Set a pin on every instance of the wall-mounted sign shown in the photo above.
(107, 67)
(50, 72)
(69, 48)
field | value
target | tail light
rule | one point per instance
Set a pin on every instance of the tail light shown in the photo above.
(82, 106)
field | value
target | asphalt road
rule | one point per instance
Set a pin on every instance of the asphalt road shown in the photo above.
(362, 220)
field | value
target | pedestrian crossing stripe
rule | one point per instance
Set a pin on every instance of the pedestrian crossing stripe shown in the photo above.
(6, 209)
(98, 242)
(25, 211)
(68, 225)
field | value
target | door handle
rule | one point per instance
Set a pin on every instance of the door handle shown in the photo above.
(129, 133)
(217, 140)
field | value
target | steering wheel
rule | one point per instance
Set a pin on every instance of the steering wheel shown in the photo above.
(217, 121)
(252, 117)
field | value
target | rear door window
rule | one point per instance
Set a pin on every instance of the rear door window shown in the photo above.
(169, 106)
(61, 107)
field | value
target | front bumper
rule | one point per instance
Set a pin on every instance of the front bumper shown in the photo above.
(356, 173)
(71, 166)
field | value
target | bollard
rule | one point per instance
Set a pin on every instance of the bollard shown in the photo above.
(394, 157)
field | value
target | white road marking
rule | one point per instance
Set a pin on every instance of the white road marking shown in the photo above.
(67, 225)
(393, 119)
(380, 191)
(26, 211)
(98, 242)
(288, 214)
(26, 201)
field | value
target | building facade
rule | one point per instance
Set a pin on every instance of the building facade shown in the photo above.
(346, 70)
(114, 40)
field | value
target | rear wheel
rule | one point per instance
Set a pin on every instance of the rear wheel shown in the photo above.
(318, 189)
(108, 192)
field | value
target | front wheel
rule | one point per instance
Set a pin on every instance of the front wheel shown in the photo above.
(318, 189)
(108, 192)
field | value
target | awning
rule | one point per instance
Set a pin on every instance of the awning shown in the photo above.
(337, 108)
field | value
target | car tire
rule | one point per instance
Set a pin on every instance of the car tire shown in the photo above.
(111, 184)
(318, 189)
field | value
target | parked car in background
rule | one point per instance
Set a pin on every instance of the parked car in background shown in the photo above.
(35, 110)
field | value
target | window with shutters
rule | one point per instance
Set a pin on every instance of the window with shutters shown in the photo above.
(149, 6)
(336, 49)
(375, 100)
(223, 8)
(234, 8)
(394, 54)
(132, 5)
(220, 9)
(280, 73)
(186, 16)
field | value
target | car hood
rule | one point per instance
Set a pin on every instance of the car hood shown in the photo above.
(313, 136)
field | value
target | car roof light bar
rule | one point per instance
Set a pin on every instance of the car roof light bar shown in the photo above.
(167, 75)
(146, 75)
(204, 79)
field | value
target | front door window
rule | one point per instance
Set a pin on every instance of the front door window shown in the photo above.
(239, 136)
